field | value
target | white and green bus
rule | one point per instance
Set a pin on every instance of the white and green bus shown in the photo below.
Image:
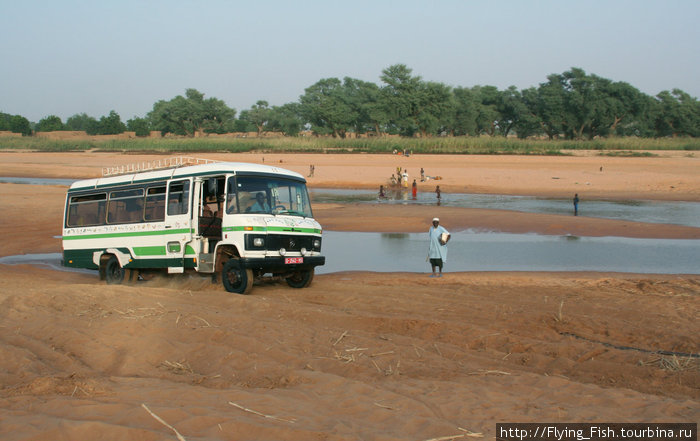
(241, 221)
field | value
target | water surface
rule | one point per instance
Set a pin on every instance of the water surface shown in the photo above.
(36, 181)
(471, 251)
(666, 212)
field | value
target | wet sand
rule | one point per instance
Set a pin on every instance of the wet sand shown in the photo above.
(357, 355)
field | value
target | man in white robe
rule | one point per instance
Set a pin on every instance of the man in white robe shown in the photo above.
(438, 237)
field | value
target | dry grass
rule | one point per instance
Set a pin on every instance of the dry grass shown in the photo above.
(673, 363)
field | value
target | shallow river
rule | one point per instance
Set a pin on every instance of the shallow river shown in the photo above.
(469, 251)
(667, 212)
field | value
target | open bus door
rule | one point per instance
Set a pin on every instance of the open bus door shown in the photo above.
(209, 198)
(178, 223)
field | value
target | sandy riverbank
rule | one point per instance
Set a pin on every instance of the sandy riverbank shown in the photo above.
(357, 355)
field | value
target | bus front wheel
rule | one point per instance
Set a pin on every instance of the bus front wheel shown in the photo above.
(236, 279)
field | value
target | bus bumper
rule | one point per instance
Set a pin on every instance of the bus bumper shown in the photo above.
(282, 264)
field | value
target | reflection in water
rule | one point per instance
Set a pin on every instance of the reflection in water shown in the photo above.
(395, 235)
(679, 213)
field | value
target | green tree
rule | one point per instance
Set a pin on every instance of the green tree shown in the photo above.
(465, 112)
(5, 119)
(434, 107)
(364, 101)
(325, 105)
(528, 123)
(258, 115)
(242, 123)
(215, 115)
(679, 114)
(511, 109)
(399, 96)
(140, 126)
(111, 124)
(549, 106)
(190, 114)
(487, 111)
(81, 122)
(622, 107)
(286, 119)
(20, 124)
(412, 104)
(51, 123)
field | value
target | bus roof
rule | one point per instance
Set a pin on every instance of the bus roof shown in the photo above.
(216, 168)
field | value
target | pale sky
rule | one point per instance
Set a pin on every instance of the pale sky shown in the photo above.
(63, 57)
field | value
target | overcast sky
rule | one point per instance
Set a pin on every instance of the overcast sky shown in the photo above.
(63, 57)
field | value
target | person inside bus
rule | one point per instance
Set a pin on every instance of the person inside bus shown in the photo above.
(206, 211)
(209, 223)
(260, 205)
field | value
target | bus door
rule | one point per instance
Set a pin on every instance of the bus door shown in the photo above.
(178, 224)
(209, 198)
(209, 194)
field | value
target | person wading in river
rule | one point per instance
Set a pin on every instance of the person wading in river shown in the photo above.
(438, 237)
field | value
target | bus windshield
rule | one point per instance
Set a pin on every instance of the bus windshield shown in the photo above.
(267, 195)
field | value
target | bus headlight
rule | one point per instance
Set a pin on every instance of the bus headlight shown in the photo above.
(283, 251)
(317, 244)
(258, 242)
(303, 251)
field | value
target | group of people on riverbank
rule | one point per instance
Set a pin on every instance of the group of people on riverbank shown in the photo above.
(400, 181)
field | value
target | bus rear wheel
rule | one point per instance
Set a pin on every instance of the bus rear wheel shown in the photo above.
(235, 278)
(114, 273)
(301, 279)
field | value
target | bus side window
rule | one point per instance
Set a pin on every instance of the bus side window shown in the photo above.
(87, 210)
(178, 197)
(155, 204)
(125, 206)
(231, 197)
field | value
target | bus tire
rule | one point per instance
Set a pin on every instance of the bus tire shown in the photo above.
(114, 273)
(301, 279)
(236, 279)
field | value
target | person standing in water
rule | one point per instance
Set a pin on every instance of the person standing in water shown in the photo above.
(576, 204)
(438, 237)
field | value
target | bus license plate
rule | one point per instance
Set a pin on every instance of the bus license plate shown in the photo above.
(293, 260)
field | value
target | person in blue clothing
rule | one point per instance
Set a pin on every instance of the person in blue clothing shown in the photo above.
(438, 237)
(576, 204)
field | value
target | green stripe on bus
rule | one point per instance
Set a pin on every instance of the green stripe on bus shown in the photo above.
(128, 234)
(159, 251)
(150, 251)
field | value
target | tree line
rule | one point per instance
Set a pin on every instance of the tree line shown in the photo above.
(570, 105)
